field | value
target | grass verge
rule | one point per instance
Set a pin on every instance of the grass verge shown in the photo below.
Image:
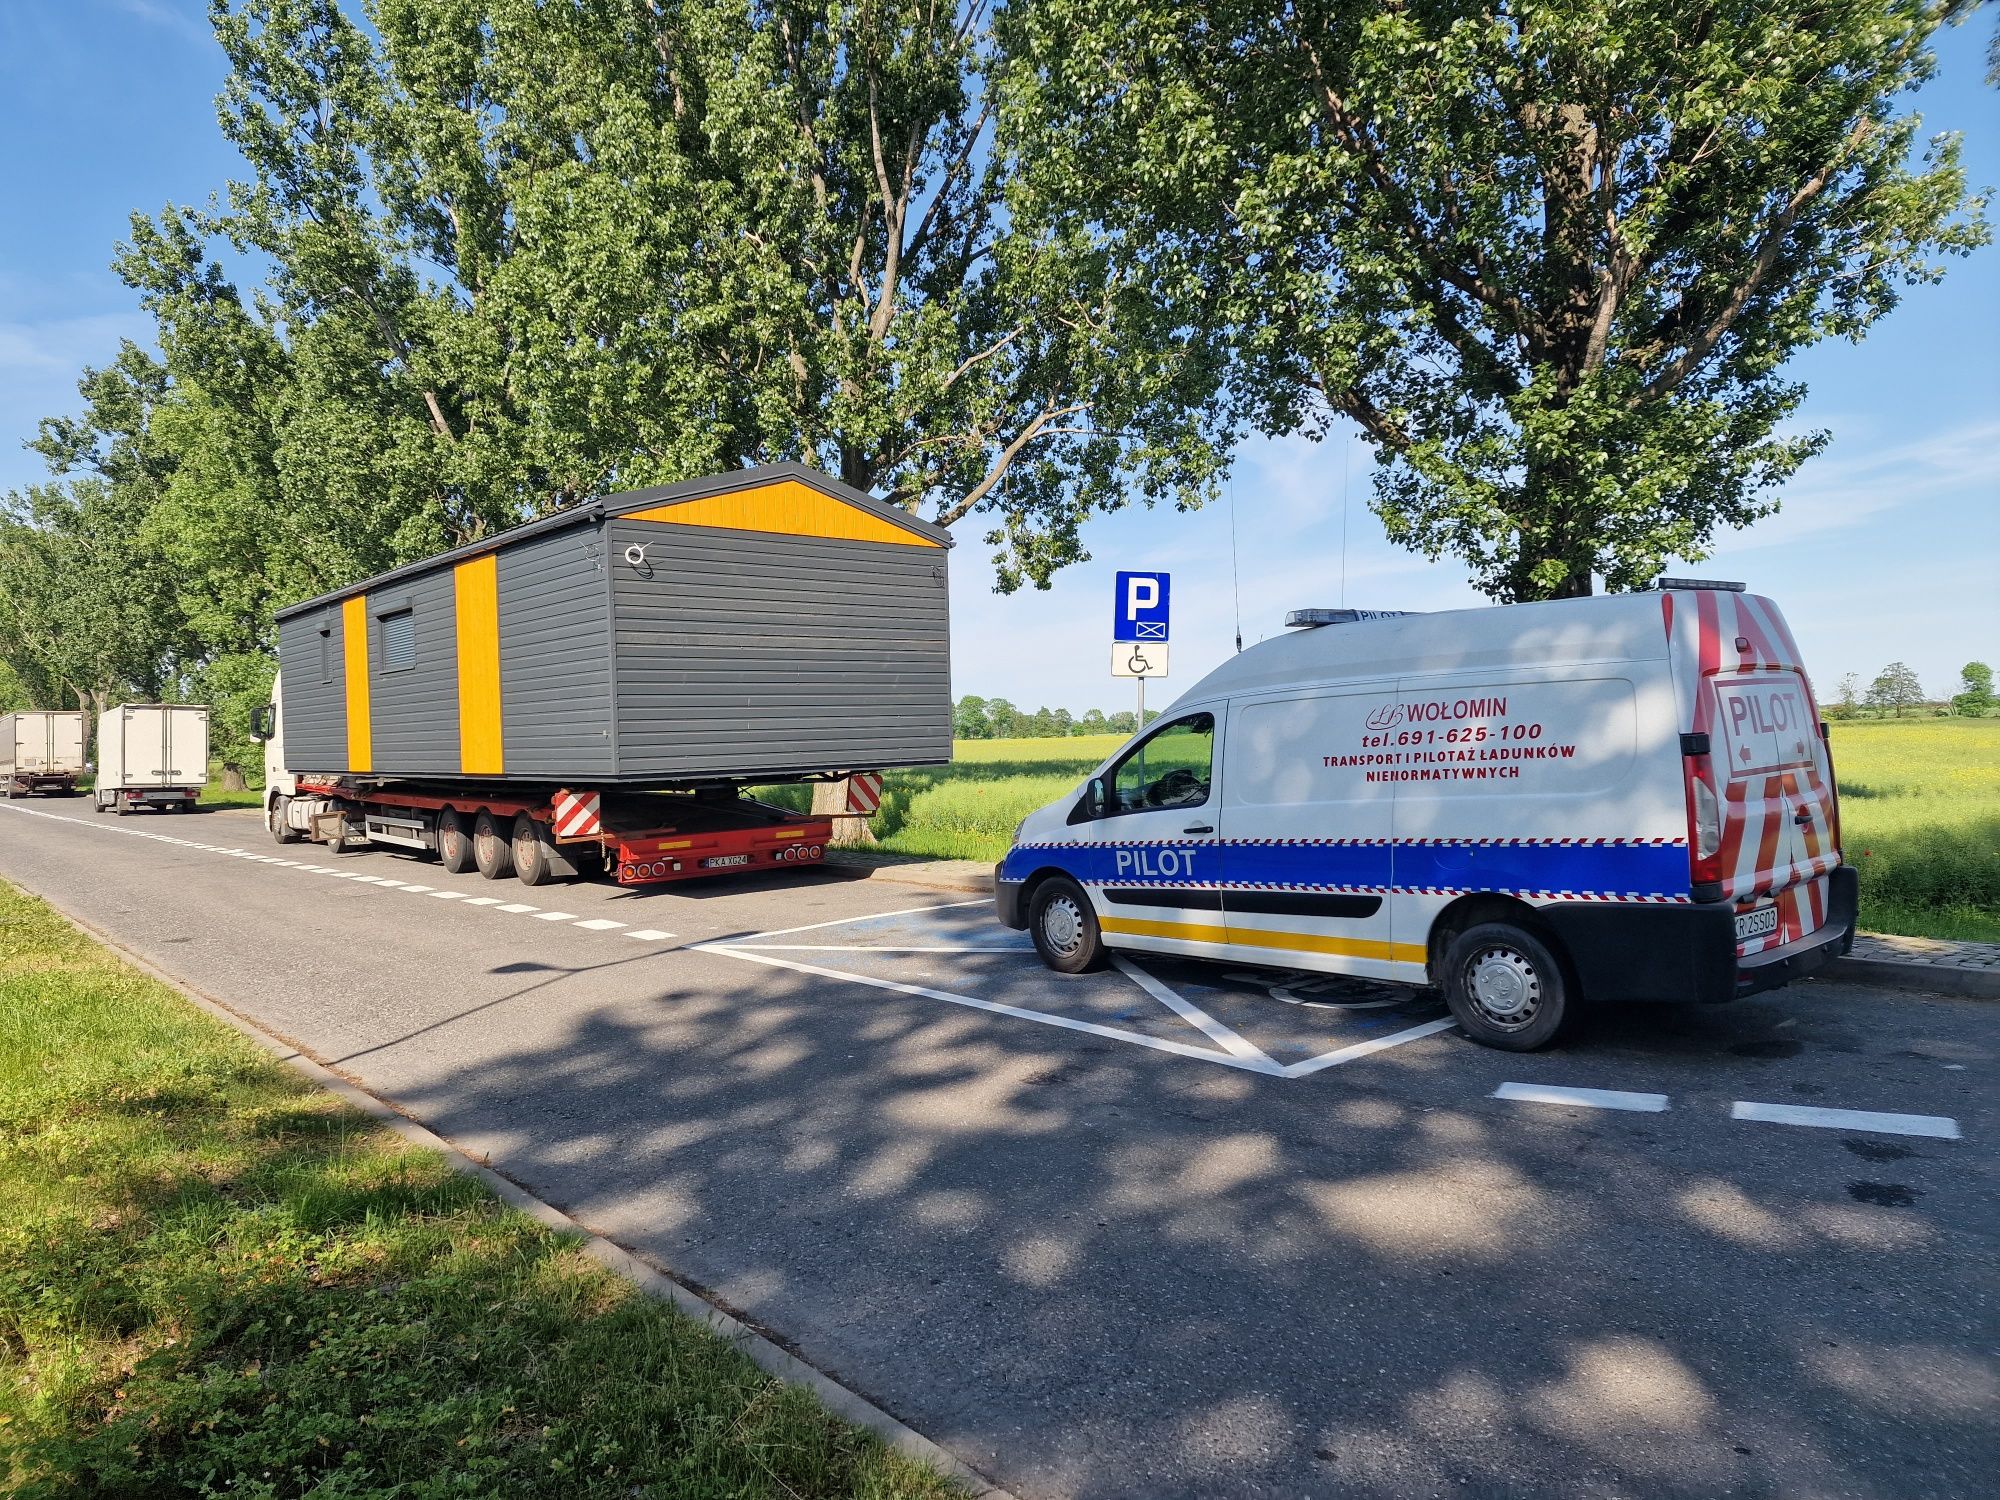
(215, 1279)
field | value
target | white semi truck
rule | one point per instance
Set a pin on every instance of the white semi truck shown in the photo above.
(41, 750)
(151, 755)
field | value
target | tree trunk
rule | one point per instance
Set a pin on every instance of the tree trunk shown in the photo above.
(232, 778)
(829, 798)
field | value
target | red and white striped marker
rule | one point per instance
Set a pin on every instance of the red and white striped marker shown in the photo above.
(864, 792)
(577, 814)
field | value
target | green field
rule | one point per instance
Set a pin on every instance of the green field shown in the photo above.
(1920, 806)
(218, 1280)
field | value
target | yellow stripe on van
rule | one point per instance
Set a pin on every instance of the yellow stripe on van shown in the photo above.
(786, 508)
(1252, 937)
(477, 586)
(354, 647)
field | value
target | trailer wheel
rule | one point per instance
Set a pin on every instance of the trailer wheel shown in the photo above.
(455, 851)
(531, 851)
(1505, 988)
(491, 849)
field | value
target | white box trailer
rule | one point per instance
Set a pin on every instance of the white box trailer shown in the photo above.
(151, 755)
(41, 750)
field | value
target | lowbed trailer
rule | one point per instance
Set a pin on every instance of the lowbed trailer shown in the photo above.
(539, 834)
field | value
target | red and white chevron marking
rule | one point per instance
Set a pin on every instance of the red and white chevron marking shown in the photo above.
(578, 814)
(864, 791)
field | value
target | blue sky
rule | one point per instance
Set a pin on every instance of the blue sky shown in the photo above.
(1887, 547)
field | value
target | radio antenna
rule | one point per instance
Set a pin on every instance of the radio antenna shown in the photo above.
(1235, 586)
(1346, 458)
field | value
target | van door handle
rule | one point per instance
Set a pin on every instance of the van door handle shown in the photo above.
(1199, 828)
(1803, 817)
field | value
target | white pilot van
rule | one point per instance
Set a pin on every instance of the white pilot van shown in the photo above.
(1531, 807)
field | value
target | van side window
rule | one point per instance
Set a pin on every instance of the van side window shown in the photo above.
(1169, 768)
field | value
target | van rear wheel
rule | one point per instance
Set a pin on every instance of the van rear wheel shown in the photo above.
(1505, 987)
(1064, 927)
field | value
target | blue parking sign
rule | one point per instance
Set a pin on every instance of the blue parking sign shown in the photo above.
(1139, 609)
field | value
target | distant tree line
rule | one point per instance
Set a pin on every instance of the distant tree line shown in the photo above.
(996, 719)
(1896, 691)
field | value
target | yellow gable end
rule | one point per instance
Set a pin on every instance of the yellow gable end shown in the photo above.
(786, 508)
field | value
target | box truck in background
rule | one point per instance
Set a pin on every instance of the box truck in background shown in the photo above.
(596, 689)
(41, 750)
(151, 755)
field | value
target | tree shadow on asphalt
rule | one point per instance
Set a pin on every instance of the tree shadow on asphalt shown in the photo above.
(1097, 1271)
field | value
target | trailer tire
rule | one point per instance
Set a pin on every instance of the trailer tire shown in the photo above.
(491, 849)
(531, 852)
(1506, 987)
(455, 842)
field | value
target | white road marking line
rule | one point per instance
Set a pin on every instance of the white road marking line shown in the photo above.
(415, 890)
(516, 906)
(1067, 1023)
(648, 935)
(871, 948)
(1541, 1093)
(1363, 1049)
(482, 900)
(755, 939)
(553, 916)
(1193, 1014)
(448, 895)
(390, 885)
(600, 924)
(1939, 1127)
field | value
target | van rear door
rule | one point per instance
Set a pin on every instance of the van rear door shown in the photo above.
(1767, 771)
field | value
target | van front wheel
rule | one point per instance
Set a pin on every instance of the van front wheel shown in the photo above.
(1064, 927)
(1505, 987)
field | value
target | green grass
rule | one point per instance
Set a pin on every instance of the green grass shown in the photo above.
(1920, 811)
(215, 1279)
(1920, 819)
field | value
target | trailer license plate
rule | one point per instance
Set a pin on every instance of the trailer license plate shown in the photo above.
(1753, 924)
(723, 861)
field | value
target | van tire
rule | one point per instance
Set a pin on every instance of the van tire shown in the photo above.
(491, 849)
(454, 842)
(1506, 987)
(1064, 927)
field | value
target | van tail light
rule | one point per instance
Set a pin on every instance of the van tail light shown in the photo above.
(1707, 830)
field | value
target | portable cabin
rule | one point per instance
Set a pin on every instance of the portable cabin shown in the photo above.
(760, 625)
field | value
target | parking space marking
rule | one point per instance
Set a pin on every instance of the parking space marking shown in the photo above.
(876, 948)
(1365, 1049)
(1938, 1127)
(1193, 1014)
(878, 916)
(1542, 1093)
(1068, 1023)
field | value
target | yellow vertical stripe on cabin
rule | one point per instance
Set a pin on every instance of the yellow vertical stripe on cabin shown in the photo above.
(477, 585)
(354, 646)
(787, 508)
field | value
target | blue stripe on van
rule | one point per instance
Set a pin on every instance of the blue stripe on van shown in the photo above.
(1609, 870)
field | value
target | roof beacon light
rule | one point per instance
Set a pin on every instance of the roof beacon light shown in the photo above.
(1308, 617)
(1663, 585)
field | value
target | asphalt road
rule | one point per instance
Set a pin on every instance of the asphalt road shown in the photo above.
(1174, 1232)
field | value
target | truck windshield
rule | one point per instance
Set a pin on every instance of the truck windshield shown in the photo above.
(1168, 769)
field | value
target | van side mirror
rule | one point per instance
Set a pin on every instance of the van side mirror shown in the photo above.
(1091, 804)
(263, 721)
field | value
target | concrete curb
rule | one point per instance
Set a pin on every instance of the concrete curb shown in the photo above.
(1936, 979)
(936, 875)
(777, 1362)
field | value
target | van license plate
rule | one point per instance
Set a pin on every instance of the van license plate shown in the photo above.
(723, 861)
(1752, 924)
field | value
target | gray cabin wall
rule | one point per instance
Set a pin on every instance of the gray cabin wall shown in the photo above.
(555, 656)
(314, 690)
(758, 652)
(413, 712)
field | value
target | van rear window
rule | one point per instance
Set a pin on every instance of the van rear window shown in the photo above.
(1766, 722)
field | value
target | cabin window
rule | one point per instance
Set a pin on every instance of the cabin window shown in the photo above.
(399, 641)
(325, 655)
(1169, 768)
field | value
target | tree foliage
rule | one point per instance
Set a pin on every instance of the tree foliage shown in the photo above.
(1896, 687)
(1551, 256)
(1975, 695)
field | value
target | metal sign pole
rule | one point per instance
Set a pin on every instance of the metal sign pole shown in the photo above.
(1140, 723)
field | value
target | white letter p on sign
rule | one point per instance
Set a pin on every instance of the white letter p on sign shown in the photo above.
(1141, 594)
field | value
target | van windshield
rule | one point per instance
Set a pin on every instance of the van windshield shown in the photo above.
(1168, 769)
